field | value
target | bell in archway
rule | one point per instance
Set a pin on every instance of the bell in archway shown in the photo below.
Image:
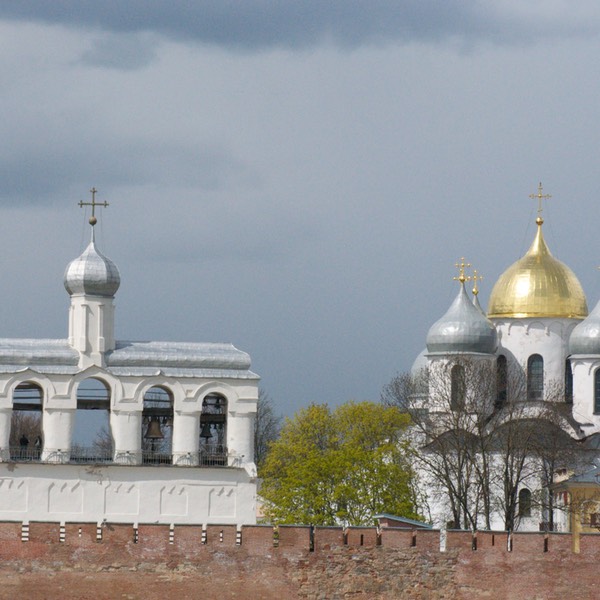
(205, 432)
(154, 431)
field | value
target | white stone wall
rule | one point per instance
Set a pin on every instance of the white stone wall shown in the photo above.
(520, 338)
(584, 368)
(121, 494)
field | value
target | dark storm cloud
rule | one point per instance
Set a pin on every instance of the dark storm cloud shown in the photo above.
(121, 52)
(257, 24)
(47, 172)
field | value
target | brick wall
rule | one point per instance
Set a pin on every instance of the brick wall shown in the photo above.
(278, 565)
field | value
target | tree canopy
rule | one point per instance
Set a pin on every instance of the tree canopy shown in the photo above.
(340, 466)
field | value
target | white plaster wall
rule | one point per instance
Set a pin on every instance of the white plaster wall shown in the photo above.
(584, 368)
(437, 506)
(520, 338)
(440, 379)
(121, 494)
(91, 327)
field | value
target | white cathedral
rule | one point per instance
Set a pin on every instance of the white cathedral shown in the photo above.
(537, 324)
(179, 444)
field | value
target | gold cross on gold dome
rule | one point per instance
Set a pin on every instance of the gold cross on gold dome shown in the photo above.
(461, 266)
(540, 197)
(475, 277)
(93, 204)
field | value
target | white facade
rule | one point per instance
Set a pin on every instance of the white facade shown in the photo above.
(539, 313)
(145, 494)
(519, 339)
(207, 398)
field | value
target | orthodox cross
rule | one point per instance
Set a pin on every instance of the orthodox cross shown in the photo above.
(93, 204)
(540, 197)
(475, 277)
(461, 266)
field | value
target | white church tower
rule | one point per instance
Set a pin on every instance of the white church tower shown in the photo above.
(92, 281)
(180, 441)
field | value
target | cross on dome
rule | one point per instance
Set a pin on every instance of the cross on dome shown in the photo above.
(461, 266)
(475, 277)
(93, 204)
(540, 197)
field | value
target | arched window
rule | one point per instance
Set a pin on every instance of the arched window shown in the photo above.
(26, 423)
(568, 382)
(597, 391)
(157, 426)
(535, 377)
(524, 503)
(501, 381)
(457, 387)
(213, 430)
(92, 440)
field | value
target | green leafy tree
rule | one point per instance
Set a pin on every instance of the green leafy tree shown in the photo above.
(341, 466)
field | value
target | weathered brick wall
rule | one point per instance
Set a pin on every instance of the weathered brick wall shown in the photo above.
(278, 565)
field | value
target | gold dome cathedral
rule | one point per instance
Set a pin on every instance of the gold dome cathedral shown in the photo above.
(538, 285)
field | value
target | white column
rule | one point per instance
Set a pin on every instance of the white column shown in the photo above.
(126, 429)
(240, 436)
(5, 423)
(186, 438)
(57, 434)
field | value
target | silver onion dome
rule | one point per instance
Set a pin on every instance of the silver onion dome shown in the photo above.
(92, 273)
(464, 328)
(585, 338)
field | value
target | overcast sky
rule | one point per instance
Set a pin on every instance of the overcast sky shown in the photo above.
(297, 178)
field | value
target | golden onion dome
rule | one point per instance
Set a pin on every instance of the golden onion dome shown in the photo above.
(538, 285)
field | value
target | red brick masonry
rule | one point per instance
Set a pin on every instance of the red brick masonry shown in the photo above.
(152, 562)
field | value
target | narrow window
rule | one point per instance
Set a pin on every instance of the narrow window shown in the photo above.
(597, 391)
(501, 381)
(568, 382)
(535, 377)
(457, 387)
(524, 503)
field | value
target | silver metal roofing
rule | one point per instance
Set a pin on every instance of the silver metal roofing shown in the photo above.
(28, 352)
(92, 273)
(464, 328)
(178, 354)
(585, 338)
(134, 359)
(182, 373)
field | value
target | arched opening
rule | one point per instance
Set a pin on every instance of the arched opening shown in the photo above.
(92, 440)
(524, 503)
(597, 391)
(213, 430)
(457, 387)
(568, 382)
(26, 422)
(501, 381)
(157, 426)
(535, 377)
